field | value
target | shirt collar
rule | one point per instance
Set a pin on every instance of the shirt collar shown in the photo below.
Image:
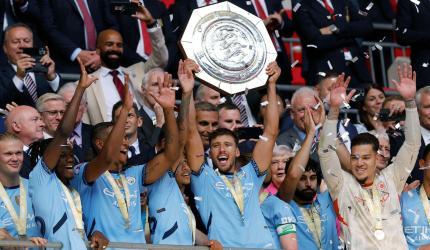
(105, 71)
(426, 135)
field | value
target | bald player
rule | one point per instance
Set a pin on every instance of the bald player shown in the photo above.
(109, 88)
(26, 123)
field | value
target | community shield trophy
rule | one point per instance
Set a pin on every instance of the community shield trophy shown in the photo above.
(231, 46)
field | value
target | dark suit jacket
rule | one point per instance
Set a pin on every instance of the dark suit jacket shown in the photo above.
(128, 26)
(310, 18)
(30, 17)
(181, 11)
(26, 166)
(11, 93)
(147, 152)
(150, 133)
(64, 28)
(2, 125)
(84, 152)
(286, 31)
(290, 137)
(414, 30)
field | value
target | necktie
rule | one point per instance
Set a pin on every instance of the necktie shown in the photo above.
(208, 2)
(147, 47)
(328, 7)
(132, 151)
(31, 87)
(238, 101)
(118, 83)
(90, 30)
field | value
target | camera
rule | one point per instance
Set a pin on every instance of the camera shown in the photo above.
(37, 54)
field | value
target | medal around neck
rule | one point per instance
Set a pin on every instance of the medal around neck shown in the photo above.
(231, 46)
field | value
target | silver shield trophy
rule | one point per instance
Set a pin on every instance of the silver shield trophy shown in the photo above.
(231, 46)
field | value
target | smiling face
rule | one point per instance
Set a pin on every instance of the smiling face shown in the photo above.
(64, 168)
(15, 40)
(373, 101)
(298, 110)
(52, 113)
(11, 157)
(224, 152)
(110, 48)
(183, 173)
(363, 163)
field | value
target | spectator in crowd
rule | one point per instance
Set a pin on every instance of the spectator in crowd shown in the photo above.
(395, 104)
(21, 84)
(278, 24)
(293, 137)
(71, 29)
(124, 211)
(300, 189)
(383, 156)
(207, 121)
(369, 109)
(139, 150)
(51, 107)
(415, 205)
(151, 112)
(328, 32)
(181, 11)
(27, 124)
(323, 86)
(50, 182)
(413, 30)
(102, 96)
(229, 116)
(207, 94)
(136, 34)
(282, 156)
(16, 214)
(18, 11)
(285, 120)
(363, 198)
(238, 222)
(81, 135)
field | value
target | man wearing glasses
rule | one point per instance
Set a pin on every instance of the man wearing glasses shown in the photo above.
(51, 108)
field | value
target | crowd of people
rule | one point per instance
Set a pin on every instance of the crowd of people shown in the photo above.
(137, 151)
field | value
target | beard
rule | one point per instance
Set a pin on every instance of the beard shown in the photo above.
(111, 63)
(305, 195)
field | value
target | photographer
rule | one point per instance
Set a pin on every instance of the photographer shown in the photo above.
(26, 76)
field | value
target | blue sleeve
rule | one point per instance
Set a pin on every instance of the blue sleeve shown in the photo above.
(283, 214)
(199, 180)
(78, 182)
(257, 177)
(40, 174)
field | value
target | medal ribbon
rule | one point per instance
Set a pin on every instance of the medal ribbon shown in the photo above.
(313, 220)
(21, 221)
(263, 196)
(74, 200)
(123, 204)
(425, 202)
(191, 222)
(374, 206)
(235, 191)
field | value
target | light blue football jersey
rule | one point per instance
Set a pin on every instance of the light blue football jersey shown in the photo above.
(6, 221)
(53, 214)
(220, 213)
(101, 206)
(168, 218)
(276, 212)
(329, 237)
(415, 224)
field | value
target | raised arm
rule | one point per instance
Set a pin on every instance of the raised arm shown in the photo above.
(300, 160)
(186, 79)
(263, 150)
(408, 153)
(162, 162)
(53, 151)
(112, 146)
(329, 161)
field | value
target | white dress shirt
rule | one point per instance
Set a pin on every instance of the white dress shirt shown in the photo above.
(19, 84)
